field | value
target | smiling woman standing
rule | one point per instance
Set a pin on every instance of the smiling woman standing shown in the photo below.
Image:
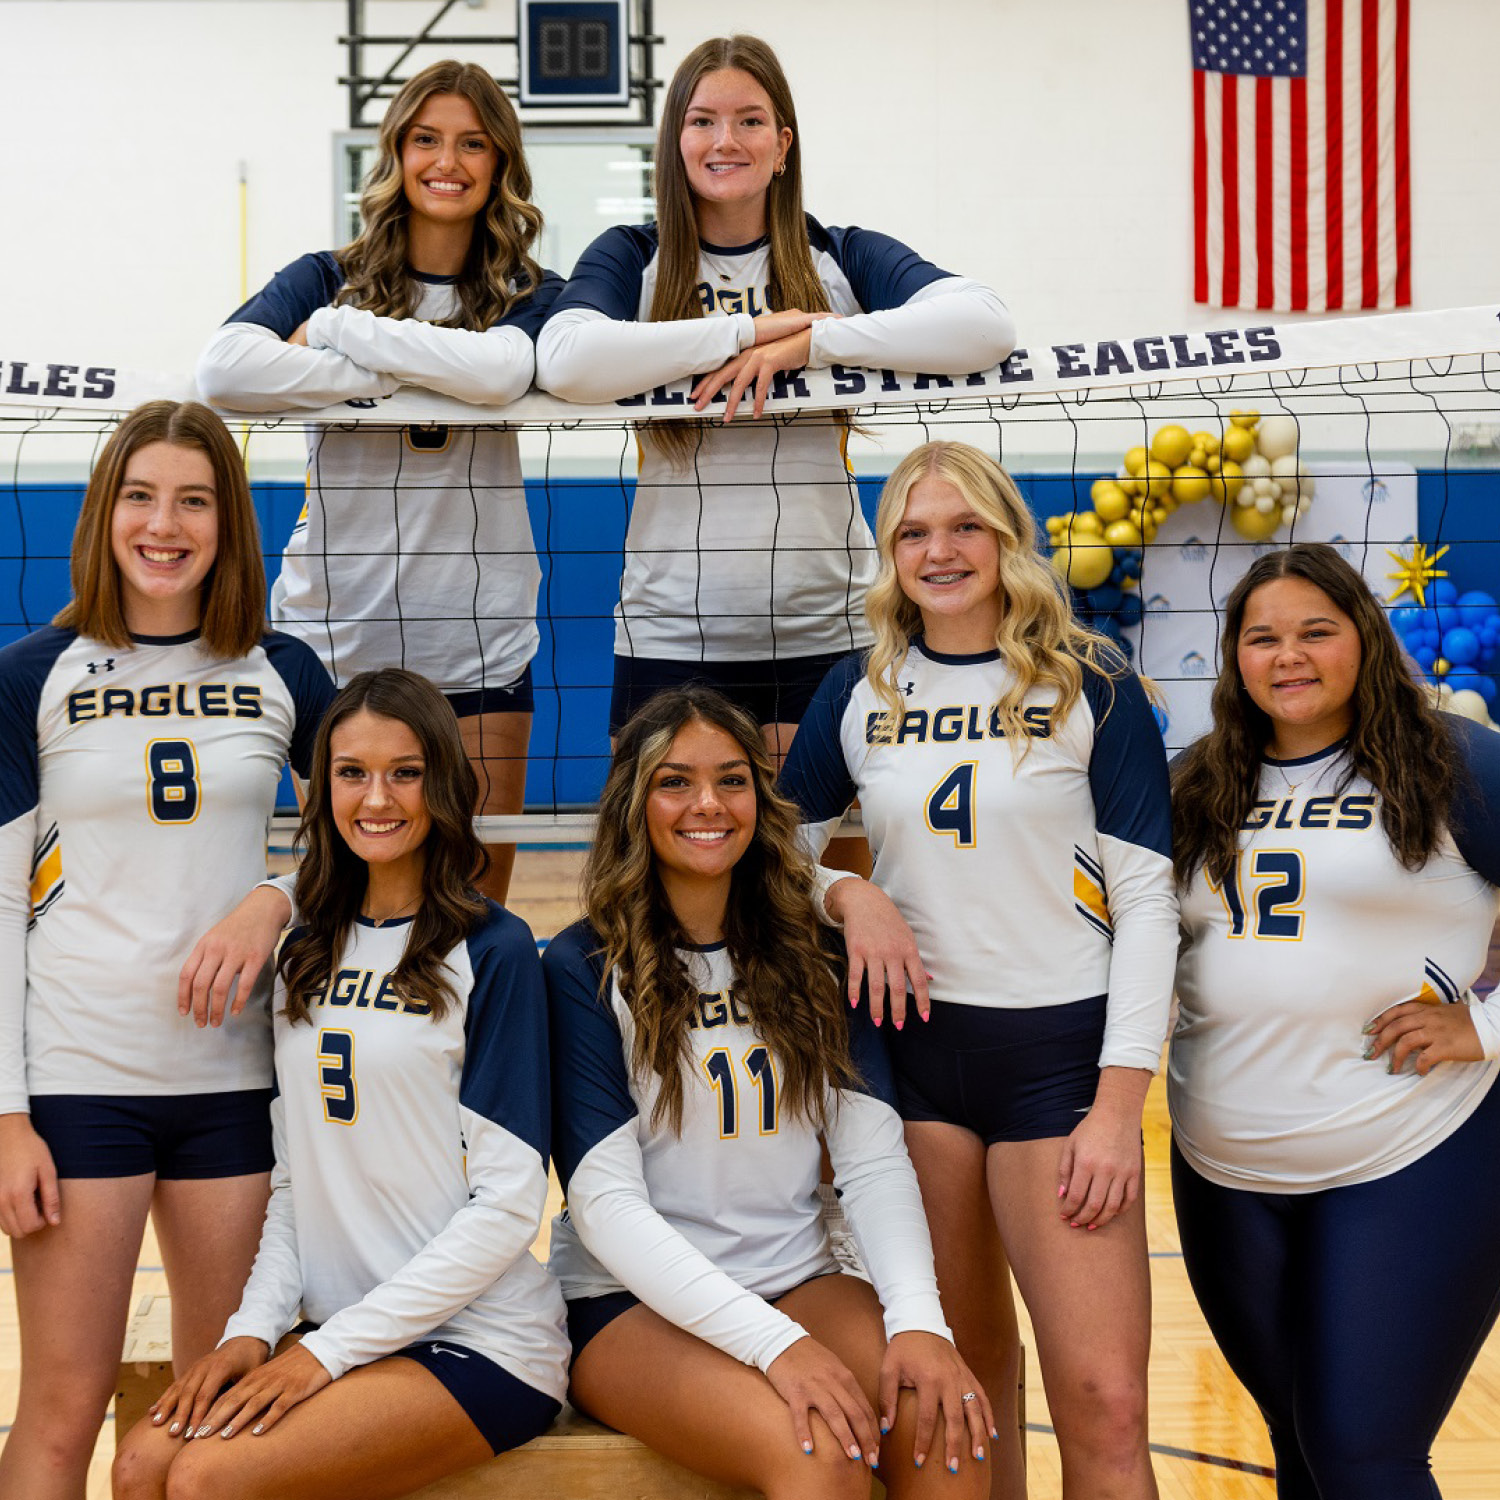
(1332, 1076)
(142, 738)
(748, 556)
(414, 547)
(1013, 781)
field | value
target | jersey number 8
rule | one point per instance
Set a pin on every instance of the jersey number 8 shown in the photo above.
(172, 791)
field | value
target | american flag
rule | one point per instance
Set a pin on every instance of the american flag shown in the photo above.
(1301, 154)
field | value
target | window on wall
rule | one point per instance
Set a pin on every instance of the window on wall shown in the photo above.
(582, 180)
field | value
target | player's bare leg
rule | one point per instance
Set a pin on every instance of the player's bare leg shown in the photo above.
(973, 1279)
(1089, 1296)
(73, 1300)
(208, 1230)
(497, 745)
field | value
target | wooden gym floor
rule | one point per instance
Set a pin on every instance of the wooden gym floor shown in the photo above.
(1207, 1439)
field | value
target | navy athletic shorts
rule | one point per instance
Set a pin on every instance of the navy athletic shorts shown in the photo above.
(506, 1410)
(1007, 1075)
(771, 692)
(172, 1135)
(514, 698)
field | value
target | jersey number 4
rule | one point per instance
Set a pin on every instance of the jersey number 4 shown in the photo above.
(950, 804)
(1275, 910)
(720, 1070)
(336, 1076)
(172, 791)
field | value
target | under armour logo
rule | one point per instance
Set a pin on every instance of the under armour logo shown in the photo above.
(107, 665)
(906, 687)
(456, 1353)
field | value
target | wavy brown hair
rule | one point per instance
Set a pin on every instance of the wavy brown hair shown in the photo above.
(784, 978)
(1037, 637)
(232, 614)
(332, 878)
(1398, 741)
(793, 279)
(377, 277)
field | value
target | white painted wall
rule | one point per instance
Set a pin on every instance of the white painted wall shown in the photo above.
(1042, 146)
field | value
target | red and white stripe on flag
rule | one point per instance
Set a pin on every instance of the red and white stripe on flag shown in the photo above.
(1301, 154)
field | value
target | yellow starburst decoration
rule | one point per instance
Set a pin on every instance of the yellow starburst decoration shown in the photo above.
(1416, 571)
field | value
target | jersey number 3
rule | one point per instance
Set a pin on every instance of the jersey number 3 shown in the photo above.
(336, 1076)
(172, 792)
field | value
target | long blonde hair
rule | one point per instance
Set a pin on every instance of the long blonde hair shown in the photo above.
(1037, 637)
(377, 277)
(793, 278)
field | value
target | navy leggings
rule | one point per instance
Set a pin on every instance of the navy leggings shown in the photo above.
(1352, 1315)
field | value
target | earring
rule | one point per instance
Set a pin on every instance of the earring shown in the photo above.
(781, 167)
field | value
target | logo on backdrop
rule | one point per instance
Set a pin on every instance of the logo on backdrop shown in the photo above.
(1374, 492)
(1194, 664)
(1193, 550)
(1158, 604)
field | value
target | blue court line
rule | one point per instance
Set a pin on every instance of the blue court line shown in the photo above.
(1216, 1460)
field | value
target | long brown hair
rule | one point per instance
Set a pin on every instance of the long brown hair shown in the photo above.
(232, 617)
(793, 279)
(1398, 741)
(332, 878)
(1037, 637)
(784, 978)
(376, 275)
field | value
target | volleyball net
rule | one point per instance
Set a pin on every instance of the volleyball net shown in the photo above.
(1160, 464)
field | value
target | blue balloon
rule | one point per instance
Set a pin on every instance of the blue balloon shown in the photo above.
(1461, 646)
(1476, 607)
(1131, 609)
(1443, 591)
(1424, 657)
(1466, 677)
(1406, 618)
(1105, 599)
(1489, 630)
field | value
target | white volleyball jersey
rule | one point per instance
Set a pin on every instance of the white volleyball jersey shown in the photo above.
(136, 793)
(705, 1225)
(414, 548)
(1321, 929)
(755, 547)
(1039, 879)
(411, 1163)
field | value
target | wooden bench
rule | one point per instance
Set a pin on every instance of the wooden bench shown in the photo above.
(579, 1459)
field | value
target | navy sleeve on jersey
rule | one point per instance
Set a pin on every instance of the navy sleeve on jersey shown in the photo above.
(591, 1086)
(293, 294)
(815, 775)
(1476, 808)
(608, 275)
(24, 666)
(531, 312)
(882, 271)
(506, 1077)
(1128, 766)
(311, 688)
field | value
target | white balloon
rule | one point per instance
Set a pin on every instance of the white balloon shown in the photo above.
(1257, 466)
(1289, 513)
(1263, 487)
(1467, 703)
(1265, 504)
(1277, 436)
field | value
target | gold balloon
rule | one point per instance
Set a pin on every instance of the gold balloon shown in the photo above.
(1171, 445)
(1123, 534)
(1190, 485)
(1239, 444)
(1252, 524)
(1110, 501)
(1083, 565)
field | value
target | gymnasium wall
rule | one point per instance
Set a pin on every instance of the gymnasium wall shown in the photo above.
(1043, 147)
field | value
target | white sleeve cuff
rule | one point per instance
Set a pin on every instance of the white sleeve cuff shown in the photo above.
(1486, 1018)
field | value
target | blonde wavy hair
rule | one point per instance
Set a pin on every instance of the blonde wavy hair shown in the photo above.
(1037, 637)
(377, 277)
